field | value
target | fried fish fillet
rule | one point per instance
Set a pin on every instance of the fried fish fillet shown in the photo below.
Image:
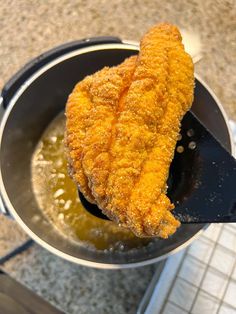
(121, 131)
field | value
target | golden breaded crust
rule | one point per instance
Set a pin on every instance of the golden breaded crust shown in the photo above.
(122, 128)
(91, 112)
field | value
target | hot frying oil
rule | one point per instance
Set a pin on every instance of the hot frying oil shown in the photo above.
(57, 197)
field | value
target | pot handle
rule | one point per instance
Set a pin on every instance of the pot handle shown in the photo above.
(29, 68)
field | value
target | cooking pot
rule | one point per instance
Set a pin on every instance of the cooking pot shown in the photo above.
(29, 102)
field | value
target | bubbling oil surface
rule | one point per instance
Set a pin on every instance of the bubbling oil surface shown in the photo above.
(57, 196)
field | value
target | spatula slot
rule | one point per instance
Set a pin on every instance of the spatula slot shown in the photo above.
(233, 209)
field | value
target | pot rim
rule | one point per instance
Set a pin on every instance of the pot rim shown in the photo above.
(128, 45)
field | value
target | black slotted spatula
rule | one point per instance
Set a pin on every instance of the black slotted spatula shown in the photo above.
(202, 179)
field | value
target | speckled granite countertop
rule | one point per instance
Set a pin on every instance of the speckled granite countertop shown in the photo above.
(28, 28)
